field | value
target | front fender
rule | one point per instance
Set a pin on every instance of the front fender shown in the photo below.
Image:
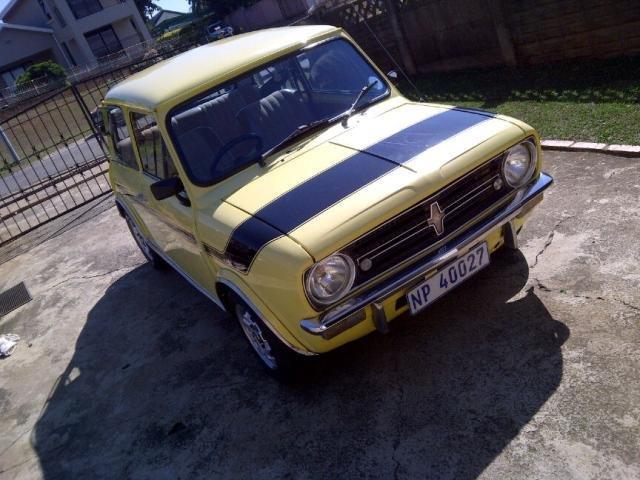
(238, 285)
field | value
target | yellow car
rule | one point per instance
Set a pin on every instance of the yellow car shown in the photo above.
(284, 176)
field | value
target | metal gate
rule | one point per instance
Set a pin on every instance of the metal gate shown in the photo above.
(52, 160)
(52, 156)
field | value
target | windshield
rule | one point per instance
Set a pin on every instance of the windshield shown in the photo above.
(229, 128)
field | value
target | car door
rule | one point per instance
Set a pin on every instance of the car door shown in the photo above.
(123, 166)
(169, 221)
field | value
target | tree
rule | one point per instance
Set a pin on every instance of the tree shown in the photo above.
(146, 8)
(49, 69)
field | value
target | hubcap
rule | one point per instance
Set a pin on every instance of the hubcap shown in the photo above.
(256, 338)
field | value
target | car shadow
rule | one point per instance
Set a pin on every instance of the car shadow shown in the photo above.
(162, 385)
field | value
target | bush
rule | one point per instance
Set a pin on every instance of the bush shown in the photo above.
(51, 70)
(169, 35)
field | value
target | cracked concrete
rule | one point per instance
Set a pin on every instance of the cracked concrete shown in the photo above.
(547, 244)
(528, 371)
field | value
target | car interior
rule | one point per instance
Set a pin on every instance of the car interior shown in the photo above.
(229, 128)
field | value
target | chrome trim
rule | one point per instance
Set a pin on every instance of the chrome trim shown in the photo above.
(507, 200)
(245, 299)
(212, 251)
(424, 225)
(455, 248)
(421, 204)
(533, 155)
(345, 290)
(402, 238)
(489, 187)
(379, 318)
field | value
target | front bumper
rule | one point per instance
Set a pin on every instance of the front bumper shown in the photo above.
(352, 311)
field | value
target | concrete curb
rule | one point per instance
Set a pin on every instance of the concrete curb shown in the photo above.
(572, 146)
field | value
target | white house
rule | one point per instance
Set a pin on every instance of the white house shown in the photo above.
(69, 32)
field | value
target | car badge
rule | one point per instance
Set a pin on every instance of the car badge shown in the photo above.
(436, 219)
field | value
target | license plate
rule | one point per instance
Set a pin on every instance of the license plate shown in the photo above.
(448, 278)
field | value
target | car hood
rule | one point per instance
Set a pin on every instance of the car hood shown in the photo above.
(348, 182)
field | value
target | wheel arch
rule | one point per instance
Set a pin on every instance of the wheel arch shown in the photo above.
(228, 289)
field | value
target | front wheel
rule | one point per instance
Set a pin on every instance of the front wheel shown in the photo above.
(281, 362)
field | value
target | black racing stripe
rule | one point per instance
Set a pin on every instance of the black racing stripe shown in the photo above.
(315, 195)
(247, 240)
(408, 143)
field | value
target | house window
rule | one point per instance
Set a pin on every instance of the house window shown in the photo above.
(68, 54)
(135, 28)
(83, 8)
(44, 9)
(59, 17)
(103, 42)
(9, 77)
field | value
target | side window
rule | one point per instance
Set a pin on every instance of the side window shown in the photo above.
(121, 139)
(153, 152)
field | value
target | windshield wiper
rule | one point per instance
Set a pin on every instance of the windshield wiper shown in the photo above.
(307, 127)
(300, 130)
(344, 116)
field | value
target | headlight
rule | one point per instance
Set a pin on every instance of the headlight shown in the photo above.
(330, 279)
(519, 164)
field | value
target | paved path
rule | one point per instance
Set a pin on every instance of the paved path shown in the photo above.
(530, 371)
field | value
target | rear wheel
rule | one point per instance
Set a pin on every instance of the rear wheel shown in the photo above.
(281, 362)
(154, 259)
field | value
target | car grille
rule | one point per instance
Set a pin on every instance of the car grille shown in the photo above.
(410, 234)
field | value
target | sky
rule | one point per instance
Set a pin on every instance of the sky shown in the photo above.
(177, 5)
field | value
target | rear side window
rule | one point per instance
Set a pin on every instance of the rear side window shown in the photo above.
(121, 139)
(153, 152)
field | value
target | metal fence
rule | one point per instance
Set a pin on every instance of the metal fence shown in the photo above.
(52, 157)
(15, 93)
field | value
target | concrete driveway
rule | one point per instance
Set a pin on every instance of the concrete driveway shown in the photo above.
(528, 371)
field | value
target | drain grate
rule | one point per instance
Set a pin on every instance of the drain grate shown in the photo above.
(13, 298)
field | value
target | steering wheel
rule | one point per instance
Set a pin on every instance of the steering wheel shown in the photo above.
(257, 149)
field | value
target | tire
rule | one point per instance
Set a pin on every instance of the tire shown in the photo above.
(281, 362)
(154, 259)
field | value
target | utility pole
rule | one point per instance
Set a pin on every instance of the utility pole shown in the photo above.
(12, 151)
(502, 32)
(400, 37)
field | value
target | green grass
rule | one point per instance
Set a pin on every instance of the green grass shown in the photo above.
(595, 101)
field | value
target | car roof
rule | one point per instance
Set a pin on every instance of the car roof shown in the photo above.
(184, 75)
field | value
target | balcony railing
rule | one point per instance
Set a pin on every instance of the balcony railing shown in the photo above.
(149, 51)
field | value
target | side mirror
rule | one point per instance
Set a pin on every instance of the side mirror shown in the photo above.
(167, 188)
(393, 76)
